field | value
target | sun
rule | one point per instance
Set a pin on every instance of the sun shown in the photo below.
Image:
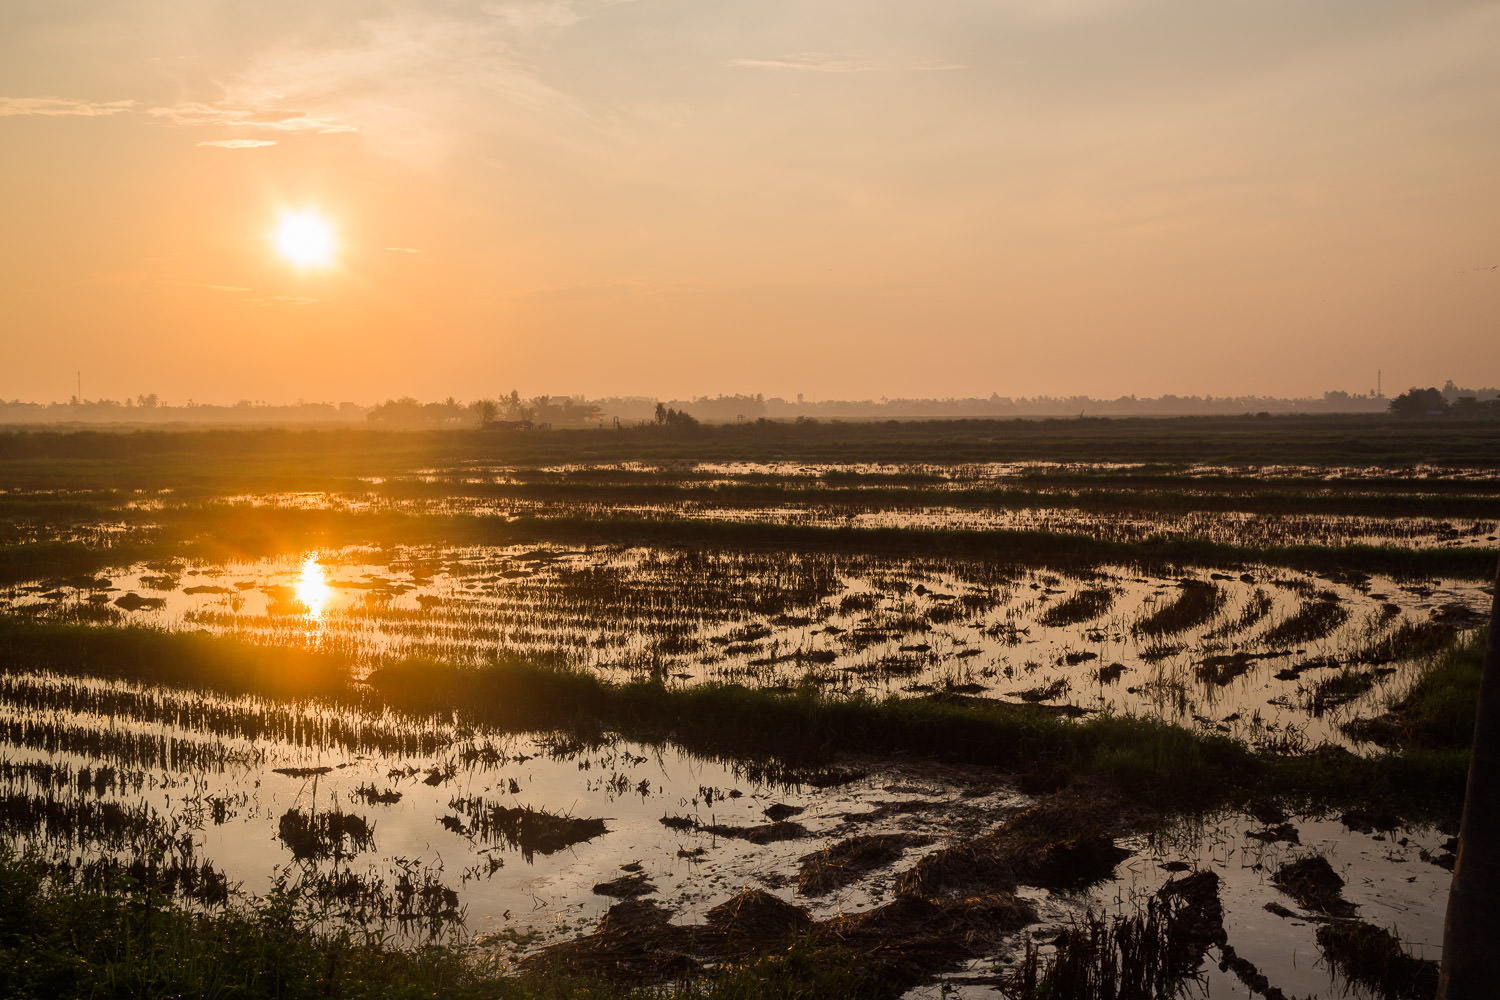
(305, 239)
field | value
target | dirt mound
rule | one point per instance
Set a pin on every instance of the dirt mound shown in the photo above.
(754, 920)
(847, 861)
(634, 942)
(885, 810)
(902, 943)
(905, 941)
(532, 831)
(1060, 843)
(135, 602)
(1315, 886)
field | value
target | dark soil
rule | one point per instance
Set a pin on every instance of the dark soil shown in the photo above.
(626, 886)
(752, 920)
(1366, 821)
(1111, 673)
(954, 904)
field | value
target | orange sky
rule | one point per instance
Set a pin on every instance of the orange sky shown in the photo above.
(844, 198)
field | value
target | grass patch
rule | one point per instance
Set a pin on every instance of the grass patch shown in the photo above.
(1082, 606)
(1196, 603)
(1437, 713)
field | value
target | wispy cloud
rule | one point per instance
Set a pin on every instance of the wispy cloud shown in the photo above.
(283, 300)
(822, 62)
(61, 107)
(238, 143)
(231, 116)
(402, 249)
(201, 284)
(421, 80)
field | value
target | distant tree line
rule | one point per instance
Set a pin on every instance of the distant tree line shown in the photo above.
(512, 411)
(1447, 402)
(676, 419)
(505, 411)
(151, 409)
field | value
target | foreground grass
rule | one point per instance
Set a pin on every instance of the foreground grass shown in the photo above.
(65, 940)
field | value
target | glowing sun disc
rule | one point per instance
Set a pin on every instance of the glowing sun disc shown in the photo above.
(305, 239)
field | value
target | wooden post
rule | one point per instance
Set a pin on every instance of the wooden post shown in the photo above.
(1471, 932)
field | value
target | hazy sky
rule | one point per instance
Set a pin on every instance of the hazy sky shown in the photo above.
(844, 198)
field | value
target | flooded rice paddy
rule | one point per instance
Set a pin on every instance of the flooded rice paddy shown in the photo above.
(428, 825)
(1263, 654)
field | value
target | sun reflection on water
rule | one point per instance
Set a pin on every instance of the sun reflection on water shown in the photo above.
(312, 587)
